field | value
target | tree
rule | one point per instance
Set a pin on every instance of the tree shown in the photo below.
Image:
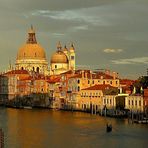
(144, 81)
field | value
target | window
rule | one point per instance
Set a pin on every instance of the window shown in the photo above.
(37, 69)
(93, 82)
(72, 57)
(136, 102)
(78, 81)
(139, 103)
(111, 82)
(78, 88)
(88, 81)
(132, 102)
(55, 66)
(129, 102)
(35, 54)
(86, 95)
(104, 101)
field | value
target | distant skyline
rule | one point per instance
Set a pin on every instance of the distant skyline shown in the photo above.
(107, 34)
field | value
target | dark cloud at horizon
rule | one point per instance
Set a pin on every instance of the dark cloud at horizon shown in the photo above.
(110, 33)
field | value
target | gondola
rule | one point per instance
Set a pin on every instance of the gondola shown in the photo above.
(108, 128)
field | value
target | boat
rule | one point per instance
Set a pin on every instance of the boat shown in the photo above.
(108, 128)
(27, 107)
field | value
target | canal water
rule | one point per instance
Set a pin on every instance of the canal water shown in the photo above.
(38, 128)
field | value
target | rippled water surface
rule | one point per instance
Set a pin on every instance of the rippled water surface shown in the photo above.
(58, 129)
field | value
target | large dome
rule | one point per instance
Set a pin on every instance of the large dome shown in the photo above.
(31, 51)
(59, 57)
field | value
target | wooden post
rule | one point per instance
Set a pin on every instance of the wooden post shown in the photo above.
(132, 116)
(95, 110)
(105, 112)
(101, 111)
(92, 109)
(1, 139)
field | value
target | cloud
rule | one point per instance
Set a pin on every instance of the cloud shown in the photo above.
(58, 34)
(78, 28)
(137, 60)
(110, 50)
(86, 15)
(83, 27)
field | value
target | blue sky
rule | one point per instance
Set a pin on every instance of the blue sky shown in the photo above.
(108, 34)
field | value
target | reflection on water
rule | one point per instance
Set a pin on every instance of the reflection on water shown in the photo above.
(58, 129)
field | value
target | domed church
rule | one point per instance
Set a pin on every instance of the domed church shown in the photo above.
(31, 56)
(62, 60)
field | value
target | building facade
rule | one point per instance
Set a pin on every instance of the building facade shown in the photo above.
(62, 60)
(134, 103)
(32, 56)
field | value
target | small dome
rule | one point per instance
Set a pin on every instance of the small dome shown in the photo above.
(59, 57)
(31, 51)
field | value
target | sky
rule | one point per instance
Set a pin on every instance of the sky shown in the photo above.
(107, 34)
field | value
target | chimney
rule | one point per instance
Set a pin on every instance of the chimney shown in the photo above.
(114, 75)
(90, 74)
(107, 72)
(85, 74)
(82, 74)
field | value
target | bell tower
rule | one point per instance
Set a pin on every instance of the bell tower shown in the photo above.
(72, 57)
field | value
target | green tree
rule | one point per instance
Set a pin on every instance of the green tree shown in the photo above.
(144, 81)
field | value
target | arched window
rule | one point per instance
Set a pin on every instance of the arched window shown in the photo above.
(37, 69)
(78, 88)
(78, 81)
(22, 68)
(55, 66)
(72, 57)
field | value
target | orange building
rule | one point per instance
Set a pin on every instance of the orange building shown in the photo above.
(91, 98)
(83, 79)
(9, 81)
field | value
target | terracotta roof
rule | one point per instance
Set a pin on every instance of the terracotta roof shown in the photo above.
(54, 80)
(99, 75)
(25, 79)
(76, 76)
(17, 72)
(99, 87)
(67, 72)
(102, 75)
(127, 82)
